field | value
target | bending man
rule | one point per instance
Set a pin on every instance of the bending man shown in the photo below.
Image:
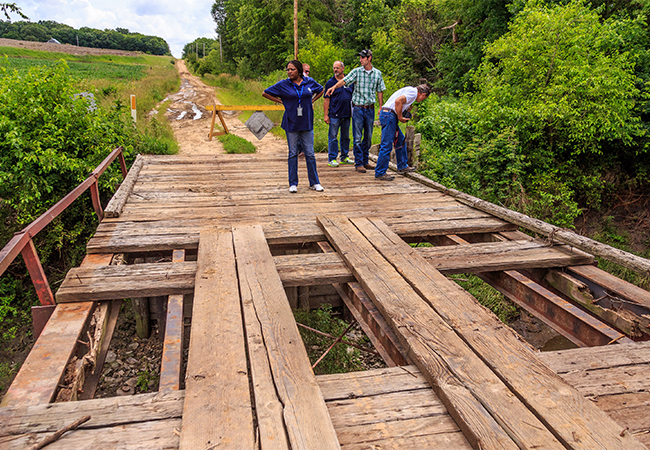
(390, 115)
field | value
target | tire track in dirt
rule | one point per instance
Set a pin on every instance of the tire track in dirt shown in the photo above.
(191, 122)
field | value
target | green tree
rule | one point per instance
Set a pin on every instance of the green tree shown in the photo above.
(559, 76)
(7, 8)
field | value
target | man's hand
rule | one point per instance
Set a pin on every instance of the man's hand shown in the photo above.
(403, 119)
(330, 91)
(327, 119)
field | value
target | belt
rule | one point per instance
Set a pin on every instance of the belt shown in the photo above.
(369, 106)
(388, 110)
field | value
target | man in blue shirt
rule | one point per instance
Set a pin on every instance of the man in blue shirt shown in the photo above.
(338, 110)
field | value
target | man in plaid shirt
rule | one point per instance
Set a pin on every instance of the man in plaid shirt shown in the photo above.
(368, 82)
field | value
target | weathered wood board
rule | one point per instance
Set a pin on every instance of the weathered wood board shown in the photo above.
(306, 420)
(489, 414)
(218, 407)
(564, 410)
(540, 390)
(126, 281)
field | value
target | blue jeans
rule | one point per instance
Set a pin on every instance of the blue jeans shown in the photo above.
(362, 122)
(389, 126)
(306, 139)
(332, 144)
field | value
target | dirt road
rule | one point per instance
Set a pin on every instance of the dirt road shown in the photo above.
(191, 122)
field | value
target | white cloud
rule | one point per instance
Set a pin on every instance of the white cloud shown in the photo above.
(177, 22)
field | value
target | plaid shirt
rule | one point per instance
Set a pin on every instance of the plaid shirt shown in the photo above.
(366, 85)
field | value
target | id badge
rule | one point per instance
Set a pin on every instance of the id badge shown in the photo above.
(299, 111)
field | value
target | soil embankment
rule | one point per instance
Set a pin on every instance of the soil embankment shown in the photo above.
(65, 48)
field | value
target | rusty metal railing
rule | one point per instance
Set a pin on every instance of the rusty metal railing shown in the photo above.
(22, 241)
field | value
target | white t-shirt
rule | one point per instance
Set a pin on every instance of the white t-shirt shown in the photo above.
(409, 92)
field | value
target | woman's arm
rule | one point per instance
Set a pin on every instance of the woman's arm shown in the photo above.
(272, 98)
(317, 96)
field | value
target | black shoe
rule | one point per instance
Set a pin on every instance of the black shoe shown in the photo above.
(407, 169)
(385, 177)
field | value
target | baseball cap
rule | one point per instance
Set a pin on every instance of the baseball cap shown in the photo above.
(365, 53)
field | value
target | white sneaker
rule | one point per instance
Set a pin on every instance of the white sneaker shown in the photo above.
(333, 163)
(317, 188)
(293, 189)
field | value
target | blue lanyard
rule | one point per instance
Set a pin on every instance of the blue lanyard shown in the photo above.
(299, 93)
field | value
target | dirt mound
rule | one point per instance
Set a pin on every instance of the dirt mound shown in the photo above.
(65, 48)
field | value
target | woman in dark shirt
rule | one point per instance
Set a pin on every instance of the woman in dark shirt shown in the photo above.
(297, 95)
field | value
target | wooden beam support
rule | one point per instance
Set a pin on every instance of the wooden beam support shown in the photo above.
(561, 315)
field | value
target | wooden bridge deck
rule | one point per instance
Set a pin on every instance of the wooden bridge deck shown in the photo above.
(241, 242)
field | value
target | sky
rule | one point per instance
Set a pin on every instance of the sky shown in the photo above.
(176, 21)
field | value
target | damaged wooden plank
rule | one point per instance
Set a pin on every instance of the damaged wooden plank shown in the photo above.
(306, 420)
(218, 406)
(509, 255)
(613, 284)
(39, 376)
(560, 407)
(172, 356)
(127, 281)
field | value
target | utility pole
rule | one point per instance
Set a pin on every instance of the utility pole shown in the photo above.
(295, 29)
(220, 48)
(204, 50)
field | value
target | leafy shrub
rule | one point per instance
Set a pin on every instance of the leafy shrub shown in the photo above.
(50, 141)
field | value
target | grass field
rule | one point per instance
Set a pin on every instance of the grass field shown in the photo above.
(83, 70)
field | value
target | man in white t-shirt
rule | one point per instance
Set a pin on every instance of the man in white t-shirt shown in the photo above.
(390, 115)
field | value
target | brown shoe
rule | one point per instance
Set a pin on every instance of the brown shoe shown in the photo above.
(360, 169)
(369, 166)
(385, 177)
(407, 169)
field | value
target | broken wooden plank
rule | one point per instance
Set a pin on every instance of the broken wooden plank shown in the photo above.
(563, 409)
(106, 329)
(39, 376)
(127, 281)
(488, 413)
(172, 356)
(614, 284)
(624, 320)
(218, 407)
(306, 420)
